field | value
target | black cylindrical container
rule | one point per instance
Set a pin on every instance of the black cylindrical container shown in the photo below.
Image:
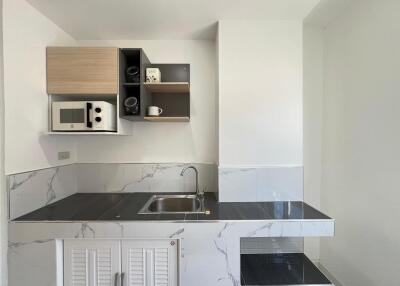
(131, 106)
(133, 74)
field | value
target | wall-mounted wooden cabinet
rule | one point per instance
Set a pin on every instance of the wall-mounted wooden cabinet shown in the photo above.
(82, 70)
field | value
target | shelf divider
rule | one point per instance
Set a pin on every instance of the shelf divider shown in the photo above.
(168, 87)
(167, 118)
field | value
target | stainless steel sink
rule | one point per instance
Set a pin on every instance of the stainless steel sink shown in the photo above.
(173, 204)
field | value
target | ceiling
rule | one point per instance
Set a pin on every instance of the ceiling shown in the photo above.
(162, 19)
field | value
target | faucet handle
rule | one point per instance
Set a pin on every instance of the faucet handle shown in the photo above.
(200, 194)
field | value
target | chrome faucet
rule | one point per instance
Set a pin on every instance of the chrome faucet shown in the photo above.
(198, 193)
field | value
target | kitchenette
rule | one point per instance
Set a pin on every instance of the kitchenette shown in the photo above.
(139, 238)
(199, 143)
(157, 162)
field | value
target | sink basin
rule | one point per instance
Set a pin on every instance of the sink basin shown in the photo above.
(173, 204)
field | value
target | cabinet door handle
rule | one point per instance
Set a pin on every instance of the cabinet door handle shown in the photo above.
(116, 279)
(122, 278)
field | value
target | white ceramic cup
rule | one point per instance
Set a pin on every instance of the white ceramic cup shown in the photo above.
(154, 111)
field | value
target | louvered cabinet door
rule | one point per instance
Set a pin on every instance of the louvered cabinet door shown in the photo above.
(150, 262)
(91, 262)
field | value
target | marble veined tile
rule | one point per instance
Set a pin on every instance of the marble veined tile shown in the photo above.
(144, 178)
(237, 185)
(260, 184)
(32, 190)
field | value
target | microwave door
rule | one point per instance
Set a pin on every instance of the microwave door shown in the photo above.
(70, 118)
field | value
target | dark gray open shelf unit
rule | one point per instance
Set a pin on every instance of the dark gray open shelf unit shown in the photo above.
(128, 88)
(280, 269)
(174, 104)
(172, 94)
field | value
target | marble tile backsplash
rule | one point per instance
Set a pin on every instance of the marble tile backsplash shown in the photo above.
(144, 178)
(32, 190)
(260, 184)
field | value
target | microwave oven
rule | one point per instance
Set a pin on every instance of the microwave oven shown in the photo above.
(83, 116)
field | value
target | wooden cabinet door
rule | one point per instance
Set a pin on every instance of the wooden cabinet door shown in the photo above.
(91, 262)
(150, 262)
(82, 70)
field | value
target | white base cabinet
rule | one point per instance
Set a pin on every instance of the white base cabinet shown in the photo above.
(120, 262)
(150, 263)
(91, 262)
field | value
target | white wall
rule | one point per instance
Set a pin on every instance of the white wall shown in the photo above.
(166, 142)
(3, 196)
(361, 144)
(312, 108)
(26, 35)
(260, 93)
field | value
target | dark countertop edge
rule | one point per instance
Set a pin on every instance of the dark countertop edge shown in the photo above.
(173, 221)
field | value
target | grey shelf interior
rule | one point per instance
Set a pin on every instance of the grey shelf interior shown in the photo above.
(174, 104)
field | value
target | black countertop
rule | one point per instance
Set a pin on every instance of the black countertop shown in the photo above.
(280, 269)
(125, 207)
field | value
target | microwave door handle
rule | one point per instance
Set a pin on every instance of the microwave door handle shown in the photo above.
(89, 123)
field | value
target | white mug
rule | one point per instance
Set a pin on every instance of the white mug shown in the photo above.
(154, 111)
